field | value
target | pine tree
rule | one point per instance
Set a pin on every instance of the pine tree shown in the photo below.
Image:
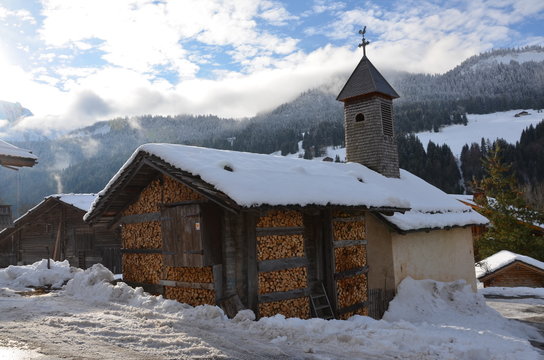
(511, 219)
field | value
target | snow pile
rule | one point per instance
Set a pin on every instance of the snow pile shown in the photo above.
(37, 274)
(427, 320)
(453, 306)
(501, 259)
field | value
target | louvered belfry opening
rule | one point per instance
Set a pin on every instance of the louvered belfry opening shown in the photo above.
(368, 120)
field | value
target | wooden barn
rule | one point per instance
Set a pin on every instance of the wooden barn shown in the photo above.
(55, 229)
(281, 235)
(508, 269)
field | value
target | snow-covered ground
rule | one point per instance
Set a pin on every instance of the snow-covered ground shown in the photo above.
(92, 319)
(488, 126)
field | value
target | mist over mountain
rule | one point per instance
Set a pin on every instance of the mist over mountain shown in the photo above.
(85, 159)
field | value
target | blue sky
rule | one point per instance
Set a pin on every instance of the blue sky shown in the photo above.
(73, 62)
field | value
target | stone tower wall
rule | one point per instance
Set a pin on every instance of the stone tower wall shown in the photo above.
(366, 142)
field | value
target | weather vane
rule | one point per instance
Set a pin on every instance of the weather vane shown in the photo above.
(365, 42)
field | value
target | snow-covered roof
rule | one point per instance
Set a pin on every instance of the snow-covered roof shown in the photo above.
(80, 201)
(11, 150)
(468, 199)
(252, 180)
(501, 259)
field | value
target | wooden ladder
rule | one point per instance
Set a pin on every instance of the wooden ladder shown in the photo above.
(321, 306)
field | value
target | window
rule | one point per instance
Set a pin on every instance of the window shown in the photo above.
(387, 119)
(359, 117)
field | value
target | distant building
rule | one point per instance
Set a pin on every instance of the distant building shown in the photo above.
(508, 269)
(55, 229)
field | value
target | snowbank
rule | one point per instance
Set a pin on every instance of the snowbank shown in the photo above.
(426, 320)
(37, 274)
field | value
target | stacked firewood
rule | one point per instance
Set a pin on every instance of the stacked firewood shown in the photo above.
(349, 230)
(279, 246)
(146, 235)
(282, 280)
(175, 191)
(349, 257)
(142, 268)
(299, 307)
(281, 218)
(351, 290)
(148, 201)
(190, 274)
(190, 296)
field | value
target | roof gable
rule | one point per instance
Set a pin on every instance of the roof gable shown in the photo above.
(364, 80)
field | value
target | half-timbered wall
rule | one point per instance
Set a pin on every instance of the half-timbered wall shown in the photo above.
(282, 265)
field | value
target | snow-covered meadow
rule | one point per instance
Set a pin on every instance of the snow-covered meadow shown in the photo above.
(92, 319)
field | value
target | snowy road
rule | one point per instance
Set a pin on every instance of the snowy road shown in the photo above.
(93, 319)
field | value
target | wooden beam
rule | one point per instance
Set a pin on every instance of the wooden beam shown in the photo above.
(140, 218)
(250, 222)
(349, 219)
(145, 251)
(284, 295)
(352, 308)
(282, 264)
(280, 231)
(346, 243)
(192, 285)
(350, 273)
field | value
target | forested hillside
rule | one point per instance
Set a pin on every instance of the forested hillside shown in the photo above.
(84, 160)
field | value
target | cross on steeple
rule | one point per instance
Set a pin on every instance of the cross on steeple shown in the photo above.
(365, 42)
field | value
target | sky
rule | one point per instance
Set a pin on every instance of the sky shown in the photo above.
(74, 62)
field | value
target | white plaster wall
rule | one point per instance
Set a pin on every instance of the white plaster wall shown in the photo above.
(442, 255)
(379, 254)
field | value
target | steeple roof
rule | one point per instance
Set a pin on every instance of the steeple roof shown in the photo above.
(364, 80)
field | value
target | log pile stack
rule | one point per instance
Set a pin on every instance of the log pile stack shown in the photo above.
(349, 257)
(299, 307)
(283, 280)
(177, 192)
(190, 296)
(279, 218)
(142, 268)
(190, 274)
(148, 201)
(146, 235)
(279, 246)
(354, 289)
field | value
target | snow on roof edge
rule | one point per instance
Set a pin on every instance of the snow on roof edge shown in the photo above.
(501, 259)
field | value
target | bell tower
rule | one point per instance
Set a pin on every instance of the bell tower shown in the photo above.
(368, 118)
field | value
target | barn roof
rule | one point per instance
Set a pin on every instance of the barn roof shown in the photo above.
(246, 180)
(502, 259)
(11, 155)
(364, 80)
(79, 201)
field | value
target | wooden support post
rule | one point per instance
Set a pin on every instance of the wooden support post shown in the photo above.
(252, 270)
(329, 259)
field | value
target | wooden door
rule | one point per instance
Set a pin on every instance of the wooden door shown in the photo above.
(182, 236)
